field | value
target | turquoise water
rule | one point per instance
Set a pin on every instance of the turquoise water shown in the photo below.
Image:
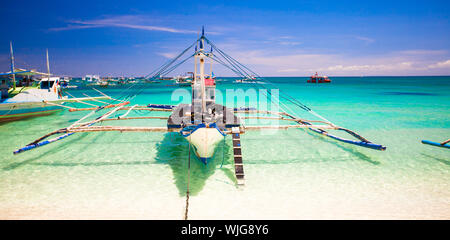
(289, 174)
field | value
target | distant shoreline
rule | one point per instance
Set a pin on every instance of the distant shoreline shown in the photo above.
(328, 76)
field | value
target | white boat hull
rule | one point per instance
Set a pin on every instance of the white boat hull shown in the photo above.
(205, 141)
(29, 103)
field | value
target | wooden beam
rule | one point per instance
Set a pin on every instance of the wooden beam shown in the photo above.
(287, 126)
(55, 104)
(144, 108)
(95, 108)
(90, 104)
(131, 118)
(118, 129)
(95, 100)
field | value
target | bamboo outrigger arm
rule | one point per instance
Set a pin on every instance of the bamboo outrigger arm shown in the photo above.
(80, 126)
(98, 107)
(320, 129)
(362, 141)
(118, 129)
(304, 123)
(285, 127)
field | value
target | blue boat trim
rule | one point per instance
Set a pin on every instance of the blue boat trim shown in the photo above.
(232, 125)
(39, 144)
(435, 144)
(358, 143)
(244, 109)
(204, 160)
(191, 129)
(162, 106)
(16, 111)
(362, 143)
(32, 146)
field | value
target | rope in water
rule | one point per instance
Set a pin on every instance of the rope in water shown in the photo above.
(223, 151)
(188, 180)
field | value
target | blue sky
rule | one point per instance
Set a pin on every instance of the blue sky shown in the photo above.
(275, 38)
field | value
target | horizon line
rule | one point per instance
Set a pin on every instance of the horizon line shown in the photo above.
(295, 76)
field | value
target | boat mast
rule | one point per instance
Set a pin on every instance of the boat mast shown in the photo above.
(202, 71)
(12, 67)
(195, 68)
(48, 65)
(211, 63)
(48, 69)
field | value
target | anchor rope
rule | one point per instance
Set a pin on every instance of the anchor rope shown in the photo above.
(223, 152)
(188, 180)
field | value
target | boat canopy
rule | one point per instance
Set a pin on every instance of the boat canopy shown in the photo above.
(46, 79)
(24, 72)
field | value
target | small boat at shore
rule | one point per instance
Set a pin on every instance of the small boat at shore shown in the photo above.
(318, 79)
(40, 99)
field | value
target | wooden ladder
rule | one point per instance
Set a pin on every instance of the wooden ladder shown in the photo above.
(237, 152)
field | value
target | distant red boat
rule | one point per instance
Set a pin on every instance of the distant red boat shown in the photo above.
(318, 79)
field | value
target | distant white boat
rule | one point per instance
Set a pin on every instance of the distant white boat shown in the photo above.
(91, 78)
(246, 80)
(42, 99)
(185, 80)
(32, 102)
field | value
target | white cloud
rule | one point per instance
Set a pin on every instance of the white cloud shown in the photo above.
(423, 52)
(365, 39)
(283, 40)
(443, 64)
(286, 37)
(270, 62)
(369, 67)
(168, 55)
(289, 43)
(128, 21)
(288, 70)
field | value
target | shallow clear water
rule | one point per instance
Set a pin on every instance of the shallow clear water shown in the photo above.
(289, 174)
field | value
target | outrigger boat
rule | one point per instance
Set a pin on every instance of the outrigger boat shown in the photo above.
(42, 99)
(203, 122)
